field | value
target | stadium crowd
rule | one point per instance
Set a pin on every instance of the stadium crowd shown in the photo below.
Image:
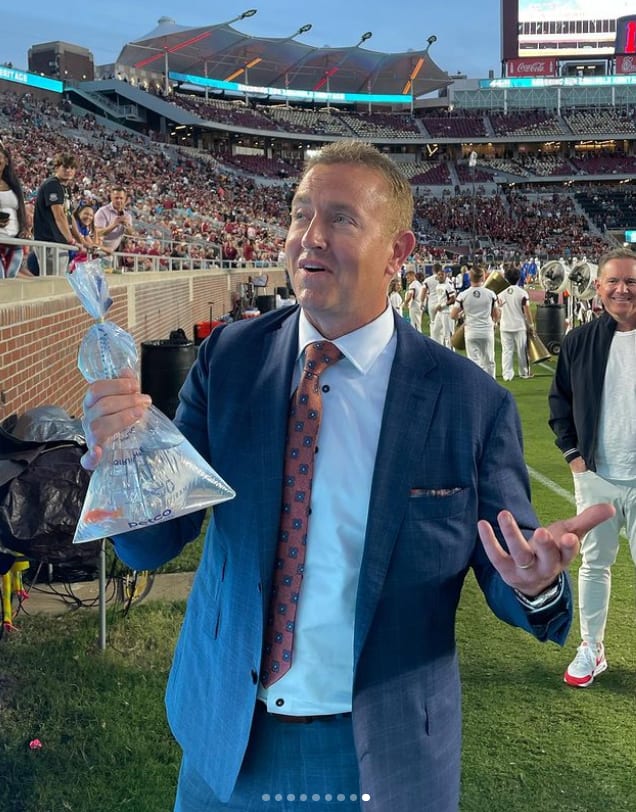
(234, 208)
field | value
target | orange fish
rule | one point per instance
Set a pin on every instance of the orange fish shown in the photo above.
(100, 515)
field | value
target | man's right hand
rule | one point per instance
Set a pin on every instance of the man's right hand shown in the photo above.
(110, 406)
(578, 466)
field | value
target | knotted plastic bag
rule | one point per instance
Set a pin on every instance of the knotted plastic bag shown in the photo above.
(149, 473)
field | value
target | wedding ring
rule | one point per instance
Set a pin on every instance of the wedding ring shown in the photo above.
(529, 564)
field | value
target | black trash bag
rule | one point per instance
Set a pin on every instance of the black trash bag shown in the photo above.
(42, 490)
(6, 562)
(44, 423)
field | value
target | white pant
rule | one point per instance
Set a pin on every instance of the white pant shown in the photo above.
(442, 328)
(599, 548)
(415, 316)
(514, 342)
(480, 348)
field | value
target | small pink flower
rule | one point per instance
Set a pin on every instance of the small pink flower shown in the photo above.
(35, 744)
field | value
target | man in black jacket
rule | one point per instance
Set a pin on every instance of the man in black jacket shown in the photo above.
(592, 410)
(52, 221)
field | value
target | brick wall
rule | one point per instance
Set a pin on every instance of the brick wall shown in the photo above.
(42, 324)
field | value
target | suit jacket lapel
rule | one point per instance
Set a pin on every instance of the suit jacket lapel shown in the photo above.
(408, 411)
(270, 396)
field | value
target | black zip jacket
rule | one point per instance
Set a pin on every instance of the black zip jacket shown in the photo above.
(575, 394)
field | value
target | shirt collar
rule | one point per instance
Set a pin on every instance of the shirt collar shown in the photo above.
(362, 346)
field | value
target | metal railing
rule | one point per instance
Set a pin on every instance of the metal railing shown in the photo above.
(53, 259)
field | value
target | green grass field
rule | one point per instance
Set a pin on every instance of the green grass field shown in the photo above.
(531, 744)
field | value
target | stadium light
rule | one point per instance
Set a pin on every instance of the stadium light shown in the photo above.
(330, 72)
(410, 85)
(302, 30)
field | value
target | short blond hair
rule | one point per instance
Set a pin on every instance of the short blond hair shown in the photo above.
(351, 151)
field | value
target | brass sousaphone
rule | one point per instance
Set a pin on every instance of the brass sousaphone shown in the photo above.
(497, 283)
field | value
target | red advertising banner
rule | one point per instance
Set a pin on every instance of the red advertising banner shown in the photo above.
(531, 66)
(626, 64)
(626, 35)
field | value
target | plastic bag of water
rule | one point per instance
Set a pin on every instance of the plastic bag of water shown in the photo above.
(149, 473)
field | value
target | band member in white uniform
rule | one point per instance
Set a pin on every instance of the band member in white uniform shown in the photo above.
(515, 320)
(412, 300)
(440, 300)
(479, 307)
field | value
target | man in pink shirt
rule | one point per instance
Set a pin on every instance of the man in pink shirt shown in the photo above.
(112, 222)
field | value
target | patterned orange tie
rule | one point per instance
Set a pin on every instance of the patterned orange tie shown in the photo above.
(302, 431)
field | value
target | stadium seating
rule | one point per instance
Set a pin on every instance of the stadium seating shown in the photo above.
(186, 201)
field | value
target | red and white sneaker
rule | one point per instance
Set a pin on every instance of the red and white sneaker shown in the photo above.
(589, 663)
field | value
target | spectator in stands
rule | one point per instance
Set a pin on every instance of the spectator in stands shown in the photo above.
(592, 408)
(365, 700)
(229, 252)
(514, 323)
(248, 251)
(112, 221)
(84, 217)
(52, 220)
(13, 216)
(478, 305)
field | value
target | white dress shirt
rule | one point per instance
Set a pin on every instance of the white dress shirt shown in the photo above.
(320, 680)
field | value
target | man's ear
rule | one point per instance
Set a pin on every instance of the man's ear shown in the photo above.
(403, 244)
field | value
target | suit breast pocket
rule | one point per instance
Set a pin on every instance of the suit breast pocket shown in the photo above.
(437, 536)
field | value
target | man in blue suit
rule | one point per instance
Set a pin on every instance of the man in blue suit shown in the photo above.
(418, 458)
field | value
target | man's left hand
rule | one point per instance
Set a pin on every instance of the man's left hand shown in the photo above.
(532, 565)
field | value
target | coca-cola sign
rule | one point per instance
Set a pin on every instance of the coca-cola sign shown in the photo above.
(626, 64)
(531, 66)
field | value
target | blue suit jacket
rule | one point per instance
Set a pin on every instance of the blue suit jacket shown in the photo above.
(449, 454)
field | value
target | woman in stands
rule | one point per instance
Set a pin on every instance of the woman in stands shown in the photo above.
(84, 217)
(13, 216)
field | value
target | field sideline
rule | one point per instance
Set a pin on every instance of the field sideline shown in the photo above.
(531, 743)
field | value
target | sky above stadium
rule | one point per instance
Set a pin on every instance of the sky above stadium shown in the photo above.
(468, 34)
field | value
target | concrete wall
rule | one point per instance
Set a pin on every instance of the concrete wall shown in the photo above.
(42, 324)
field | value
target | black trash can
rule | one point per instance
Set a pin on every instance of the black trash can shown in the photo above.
(266, 303)
(165, 364)
(550, 321)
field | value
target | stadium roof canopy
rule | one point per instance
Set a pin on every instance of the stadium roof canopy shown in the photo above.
(222, 52)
